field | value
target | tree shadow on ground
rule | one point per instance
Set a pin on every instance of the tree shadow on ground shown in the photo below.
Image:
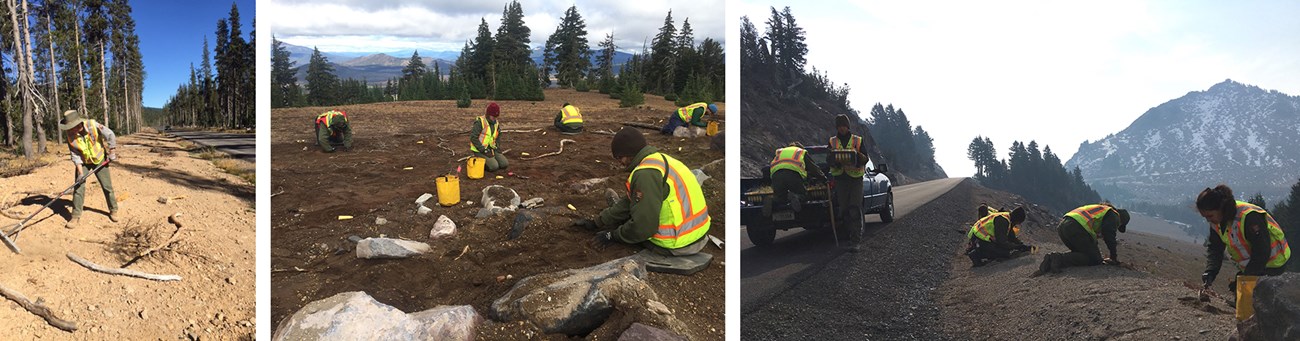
(190, 180)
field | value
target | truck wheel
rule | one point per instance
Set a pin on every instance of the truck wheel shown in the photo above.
(888, 215)
(761, 235)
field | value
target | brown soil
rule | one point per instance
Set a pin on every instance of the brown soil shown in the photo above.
(215, 298)
(1149, 297)
(311, 258)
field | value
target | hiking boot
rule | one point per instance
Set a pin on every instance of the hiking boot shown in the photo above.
(72, 224)
(1046, 265)
(112, 216)
(1056, 263)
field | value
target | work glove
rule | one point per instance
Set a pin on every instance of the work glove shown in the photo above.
(586, 224)
(112, 155)
(602, 240)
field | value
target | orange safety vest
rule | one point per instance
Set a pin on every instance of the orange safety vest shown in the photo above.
(487, 138)
(1090, 217)
(1239, 247)
(683, 216)
(684, 113)
(983, 228)
(855, 145)
(570, 115)
(789, 158)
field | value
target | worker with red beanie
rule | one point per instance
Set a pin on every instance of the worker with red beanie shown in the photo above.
(483, 139)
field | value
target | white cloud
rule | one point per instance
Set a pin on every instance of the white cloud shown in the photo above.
(352, 25)
(1056, 72)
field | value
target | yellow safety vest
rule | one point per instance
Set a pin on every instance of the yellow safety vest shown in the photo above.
(92, 151)
(683, 217)
(1239, 247)
(790, 158)
(983, 228)
(329, 116)
(488, 138)
(684, 113)
(571, 115)
(1090, 217)
(855, 145)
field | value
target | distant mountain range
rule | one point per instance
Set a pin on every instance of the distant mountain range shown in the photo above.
(1233, 133)
(377, 68)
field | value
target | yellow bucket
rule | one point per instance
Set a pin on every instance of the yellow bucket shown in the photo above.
(474, 167)
(448, 189)
(711, 129)
(1245, 296)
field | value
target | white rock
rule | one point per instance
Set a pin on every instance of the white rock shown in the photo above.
(423, 197)
(357, 316)
(444, 227)
(423, 210)
(388, 248)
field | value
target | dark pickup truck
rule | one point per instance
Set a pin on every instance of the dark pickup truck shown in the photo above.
(877, 198)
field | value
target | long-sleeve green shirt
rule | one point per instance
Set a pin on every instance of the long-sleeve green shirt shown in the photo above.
(1109, 231)
(697, 117)
(476, 129)
(637, 217)
(1256, 234)
(338, 125)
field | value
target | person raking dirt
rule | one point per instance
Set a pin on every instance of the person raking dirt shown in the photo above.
(569, 120)
(90, 143)
(993, 236)
(333, 129)
(664, 209)
(1247, 232)
(789, 170)
(483, 138)
(1079, 230)
(691, 115)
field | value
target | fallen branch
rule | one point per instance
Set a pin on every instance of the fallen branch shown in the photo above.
(467, 156)
(521, 130)
(604, 132)
(277, 193)
(642, 125)
(562, 142)
(462, 253)
(39, 309)
(441, 141)
(122, 272)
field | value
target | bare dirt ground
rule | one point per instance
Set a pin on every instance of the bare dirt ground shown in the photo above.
(311, 258)
(215, 257)
(1146, 298)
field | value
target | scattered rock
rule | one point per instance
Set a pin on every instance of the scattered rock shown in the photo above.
(444, 227)
(577, 301)
(719, 142)
(423, 197)
(533, 203)
(380, 221)
(496, 195)
(388, 248)
(1277, 310)
(423, 210)
(164, 200)
(521, 221)
(641, 332)
(488, 212)
(584, 186)
(357, 316)
(700, 176)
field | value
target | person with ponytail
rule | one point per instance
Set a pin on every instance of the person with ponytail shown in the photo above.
(1246, 232)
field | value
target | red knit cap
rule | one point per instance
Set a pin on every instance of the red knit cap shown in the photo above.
(493, 110)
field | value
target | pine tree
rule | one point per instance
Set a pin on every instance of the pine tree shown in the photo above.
(662, 59)
(283, 76)
(414, 68)
(321, 80)
(605, 64)
(567, 51)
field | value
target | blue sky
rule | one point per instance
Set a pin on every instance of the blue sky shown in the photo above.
(171, 37)
(1031, 70)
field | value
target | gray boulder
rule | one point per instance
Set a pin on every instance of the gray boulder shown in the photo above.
(1277, 310)
(577, 301)
(357, 316)
(641, 332)
(387, 248)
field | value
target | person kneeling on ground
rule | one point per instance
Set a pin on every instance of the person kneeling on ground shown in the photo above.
(664, 209)
(1247, 232)
(687, 116)
(483, 139)
(993, 237)
(332, 129)
(569, 120)
(1079, 231)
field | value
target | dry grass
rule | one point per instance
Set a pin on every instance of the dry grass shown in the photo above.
(208, 153)
(242, 169)
(12, 162)
(136, 238)
(186, 145)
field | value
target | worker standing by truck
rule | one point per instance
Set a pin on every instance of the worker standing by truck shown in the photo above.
(848, 166)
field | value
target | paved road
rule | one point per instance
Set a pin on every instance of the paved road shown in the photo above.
(765, 272)
(239, 146)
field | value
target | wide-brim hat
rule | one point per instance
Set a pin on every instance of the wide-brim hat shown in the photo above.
(71, 118)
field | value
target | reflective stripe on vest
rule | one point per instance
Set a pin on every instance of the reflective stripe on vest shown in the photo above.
(1239, 247)
(1090, 217)
(855, 144)
(329, 116)
(684, 113)
(683, 217)
(487, 138)
(789, 158)
(571, 115)
(983, 228)
(92, 151)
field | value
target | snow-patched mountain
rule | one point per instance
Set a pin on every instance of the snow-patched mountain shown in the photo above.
(1233, 133)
